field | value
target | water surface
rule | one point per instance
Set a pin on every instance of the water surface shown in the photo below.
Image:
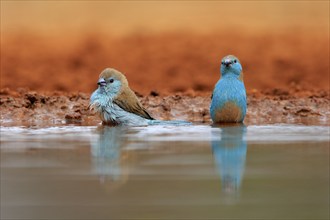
(192, 172)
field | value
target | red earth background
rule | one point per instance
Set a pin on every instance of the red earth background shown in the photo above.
(166, 47)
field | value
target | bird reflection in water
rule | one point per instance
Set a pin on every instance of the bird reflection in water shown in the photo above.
(229, 151)
(107, 157)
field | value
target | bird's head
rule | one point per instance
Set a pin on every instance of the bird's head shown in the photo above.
(230, 65)
(111, 82)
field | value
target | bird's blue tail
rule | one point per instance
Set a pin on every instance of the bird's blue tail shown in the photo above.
(174, 122)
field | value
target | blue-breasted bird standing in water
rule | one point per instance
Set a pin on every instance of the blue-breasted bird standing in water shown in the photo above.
(228, 103)
(117, 104)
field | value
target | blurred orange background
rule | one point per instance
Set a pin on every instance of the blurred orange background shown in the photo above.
(164, 46)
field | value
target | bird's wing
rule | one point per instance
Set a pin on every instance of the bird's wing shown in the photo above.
(128, 101)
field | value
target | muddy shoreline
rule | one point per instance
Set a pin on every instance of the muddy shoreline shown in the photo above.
(24, 107)
(285, 75)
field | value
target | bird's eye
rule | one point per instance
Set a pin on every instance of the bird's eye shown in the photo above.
(235, 61)
(111, 81)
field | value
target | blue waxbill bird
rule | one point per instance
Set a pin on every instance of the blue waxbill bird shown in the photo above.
(117, 104)
(228, 103)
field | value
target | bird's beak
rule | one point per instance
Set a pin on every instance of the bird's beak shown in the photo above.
(227, 63)
(101, 82)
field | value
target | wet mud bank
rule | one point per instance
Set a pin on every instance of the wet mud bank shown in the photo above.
(23, 107)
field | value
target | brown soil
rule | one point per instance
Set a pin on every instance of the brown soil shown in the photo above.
(48, 80)
(164, 62)
(29, 108)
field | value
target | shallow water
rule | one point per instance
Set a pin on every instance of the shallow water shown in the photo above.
(193, 172)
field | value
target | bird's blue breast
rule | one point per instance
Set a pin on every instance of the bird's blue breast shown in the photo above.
(228, 101)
